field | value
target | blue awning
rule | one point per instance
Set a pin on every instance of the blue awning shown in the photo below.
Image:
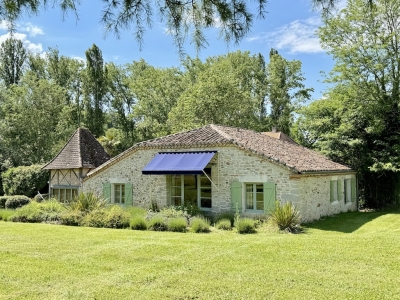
(179, 162)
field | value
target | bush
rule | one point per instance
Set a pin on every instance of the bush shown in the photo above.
(138, 223)
(157, 223)
(71, 218)
(224, 224)
(25, 181)
(96, 218)
(87, 202)
(3, 200)
(245, 225)
(200, 224)
(177, 224)
(286, 217)
(5, 214)
(14, 202)
(46, 211)
(225, 215)
(117, 218)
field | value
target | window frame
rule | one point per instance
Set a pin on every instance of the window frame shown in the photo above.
(254, 193)
(199, 187)
(121, 196)
(347, 190)
(65, 199)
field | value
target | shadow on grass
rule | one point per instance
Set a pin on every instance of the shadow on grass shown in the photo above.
(346, 222)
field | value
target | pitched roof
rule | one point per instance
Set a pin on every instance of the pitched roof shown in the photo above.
(280, 136)
(81, 151)
(296, 158)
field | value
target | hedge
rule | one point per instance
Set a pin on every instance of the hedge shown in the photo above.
(24, 180)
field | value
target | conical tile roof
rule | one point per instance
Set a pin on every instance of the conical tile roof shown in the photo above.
(81, 151)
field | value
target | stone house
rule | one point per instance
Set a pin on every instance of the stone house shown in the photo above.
(220, 168)
(81, 154)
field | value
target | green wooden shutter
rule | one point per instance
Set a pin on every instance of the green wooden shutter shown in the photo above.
(128, 193)
(339, 190)
(332, 193)
(269, 197)
(107, 191)
(353, 190)
(236, 196)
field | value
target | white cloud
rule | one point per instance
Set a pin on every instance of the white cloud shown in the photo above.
(32, 47)
(298, 36)
(31, 29)
(4, 25)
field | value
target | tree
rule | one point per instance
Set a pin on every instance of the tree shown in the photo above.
(285, 90)
(364, 42)
(95, 87)
(12, 59)
(224, 90)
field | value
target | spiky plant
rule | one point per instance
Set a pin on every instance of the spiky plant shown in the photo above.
(87, 202)
(286, 217)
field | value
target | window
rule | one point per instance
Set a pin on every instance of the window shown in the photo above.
(192, 190)
(334, 190)
(347, 190)
(119, 193)
(64, 195)
(254, 196)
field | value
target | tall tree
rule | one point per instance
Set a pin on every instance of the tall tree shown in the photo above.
(95, 87)
(285, 90)
(12, 59)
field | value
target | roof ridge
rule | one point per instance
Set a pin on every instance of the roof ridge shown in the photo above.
(221, 132)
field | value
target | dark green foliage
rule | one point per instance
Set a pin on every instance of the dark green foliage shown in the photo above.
(286, 217)
(224, 224)
(157, 223)
(12, 59)
(14, 202)
(177, 224)
(24, 180)
(225, 215)
(245, 225)
(71, 218)
(138, 223)
(200, 224)
(3, 200)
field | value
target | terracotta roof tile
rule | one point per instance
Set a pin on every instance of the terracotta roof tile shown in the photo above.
(81, 151)
(291, 155)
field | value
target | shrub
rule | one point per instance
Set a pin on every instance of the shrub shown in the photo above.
(117, 218)
(286, 217)
(95, 218)
(135, 211)
(87, 202)
(225, 215)
(24, 180)
(3, 200)
(177, 224)
(224, 224)
(157, 223)
(46, 211)
(138, 223)
(245, 225)
(71, 218)
(28, 214)
(14, 202)
(5, 214)
(200, 224)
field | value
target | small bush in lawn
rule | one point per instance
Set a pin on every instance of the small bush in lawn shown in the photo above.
(224, 224)
(14, 202)
(245, 225)
(30, 213)
(138, 223)
(135, 211)
(5, 214)
(177, 224)
(117, 218)
(157, 223)
(225, 215)
(71, 218)
(200, 224)
(286, 217)
(95, 218)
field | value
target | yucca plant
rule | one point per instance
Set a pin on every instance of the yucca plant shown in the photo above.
(87, 202)
(286, 217)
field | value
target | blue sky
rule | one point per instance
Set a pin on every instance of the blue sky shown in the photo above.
(289, 27)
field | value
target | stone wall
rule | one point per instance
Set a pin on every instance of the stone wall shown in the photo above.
(311, 195)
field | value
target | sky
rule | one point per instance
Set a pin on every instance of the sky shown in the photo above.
(289, 27)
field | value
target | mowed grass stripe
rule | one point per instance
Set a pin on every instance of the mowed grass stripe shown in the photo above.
(329, 261)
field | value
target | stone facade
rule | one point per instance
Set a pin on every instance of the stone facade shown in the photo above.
(230, 164)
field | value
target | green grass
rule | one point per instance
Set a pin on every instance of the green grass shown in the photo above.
(331, 260)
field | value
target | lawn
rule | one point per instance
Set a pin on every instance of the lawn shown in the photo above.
(349, 256)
